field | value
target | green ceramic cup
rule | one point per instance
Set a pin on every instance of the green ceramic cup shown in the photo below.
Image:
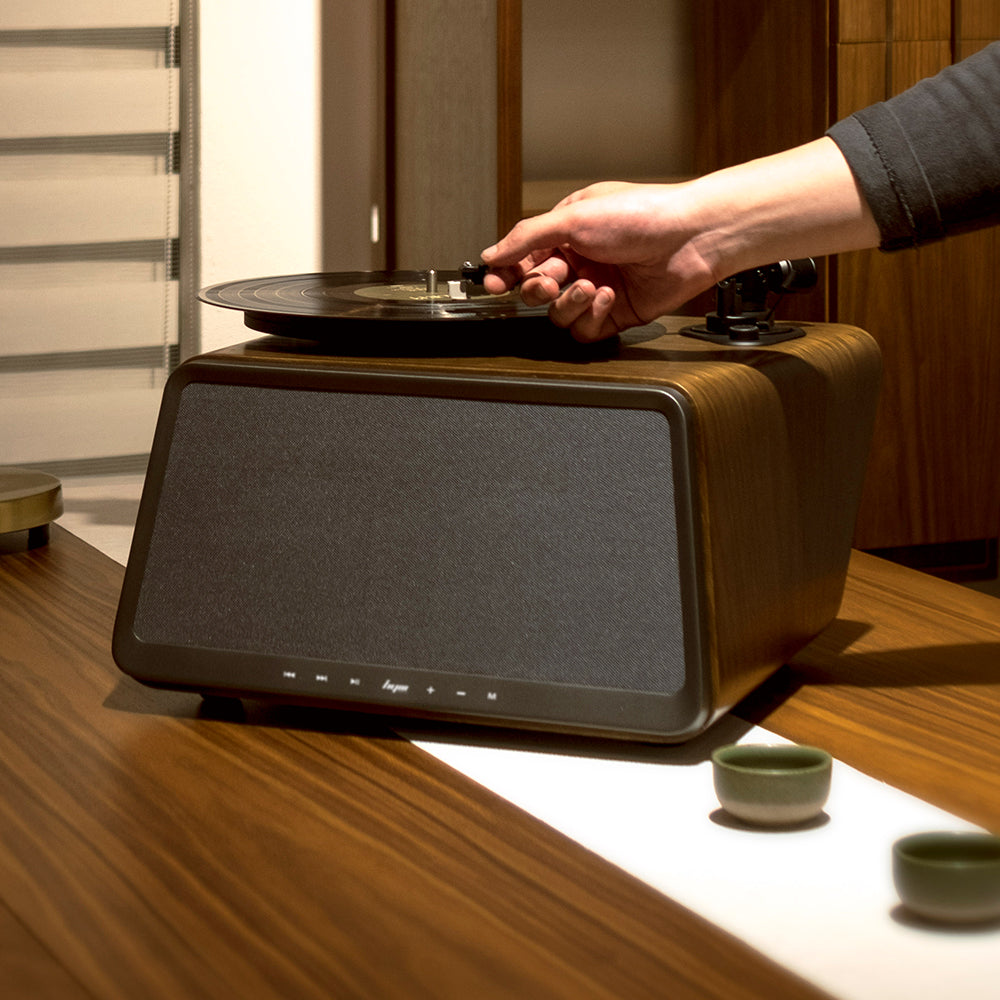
(772, 785)
(949, 877)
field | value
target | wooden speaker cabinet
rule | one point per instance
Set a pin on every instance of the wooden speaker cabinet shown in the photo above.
(620, 541)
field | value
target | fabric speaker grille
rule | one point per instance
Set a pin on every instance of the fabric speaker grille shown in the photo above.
(520, 541)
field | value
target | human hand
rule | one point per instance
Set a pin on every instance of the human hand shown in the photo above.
(618, 255)
(606, 258)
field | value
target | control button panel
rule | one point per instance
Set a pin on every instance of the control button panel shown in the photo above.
(425, 691)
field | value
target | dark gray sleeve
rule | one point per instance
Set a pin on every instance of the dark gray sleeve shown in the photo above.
(928, 160)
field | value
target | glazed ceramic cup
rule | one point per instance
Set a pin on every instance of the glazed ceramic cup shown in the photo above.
(949, 877)
(772, 785)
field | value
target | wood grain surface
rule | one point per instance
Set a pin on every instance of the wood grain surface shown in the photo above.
(149, 847)
(976, 21)
(509, 125)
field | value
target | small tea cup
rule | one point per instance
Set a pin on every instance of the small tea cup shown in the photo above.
(772, 784)
(949, 877)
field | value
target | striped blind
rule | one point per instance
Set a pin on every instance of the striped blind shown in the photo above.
(90, 166)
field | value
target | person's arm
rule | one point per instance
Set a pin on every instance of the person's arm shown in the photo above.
(928, 160)
(921, 166)
(617, 255)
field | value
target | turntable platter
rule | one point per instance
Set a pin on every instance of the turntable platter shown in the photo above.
(303, 304)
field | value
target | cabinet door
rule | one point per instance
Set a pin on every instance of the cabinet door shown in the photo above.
(933, 311)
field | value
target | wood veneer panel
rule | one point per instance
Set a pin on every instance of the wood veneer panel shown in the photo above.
(931, 473)
(790, 426)
(977, 19)
(761, 74)
(862, 20)
(509, 86)
(966, 47)
(861, 77)
(920, 19)
(760, 65)
(157, 853)
(911, 62)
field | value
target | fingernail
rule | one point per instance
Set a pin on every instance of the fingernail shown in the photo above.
(488, 253)
(578, 295)
(603, 298)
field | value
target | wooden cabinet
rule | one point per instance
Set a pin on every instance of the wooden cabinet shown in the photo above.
(774, 73)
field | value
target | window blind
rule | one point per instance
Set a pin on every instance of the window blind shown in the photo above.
(91, 166)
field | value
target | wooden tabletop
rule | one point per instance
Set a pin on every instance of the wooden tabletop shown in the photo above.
(152, 847)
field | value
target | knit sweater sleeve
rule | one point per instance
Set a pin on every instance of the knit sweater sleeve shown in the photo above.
(928, 160)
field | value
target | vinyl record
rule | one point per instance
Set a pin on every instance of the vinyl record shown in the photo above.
(304, 304)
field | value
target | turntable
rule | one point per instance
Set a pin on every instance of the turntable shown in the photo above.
(355, 304)
(405, 503)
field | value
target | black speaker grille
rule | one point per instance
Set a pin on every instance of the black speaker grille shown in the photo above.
(522, 541)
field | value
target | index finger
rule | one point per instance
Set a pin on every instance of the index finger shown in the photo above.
(532, 238)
